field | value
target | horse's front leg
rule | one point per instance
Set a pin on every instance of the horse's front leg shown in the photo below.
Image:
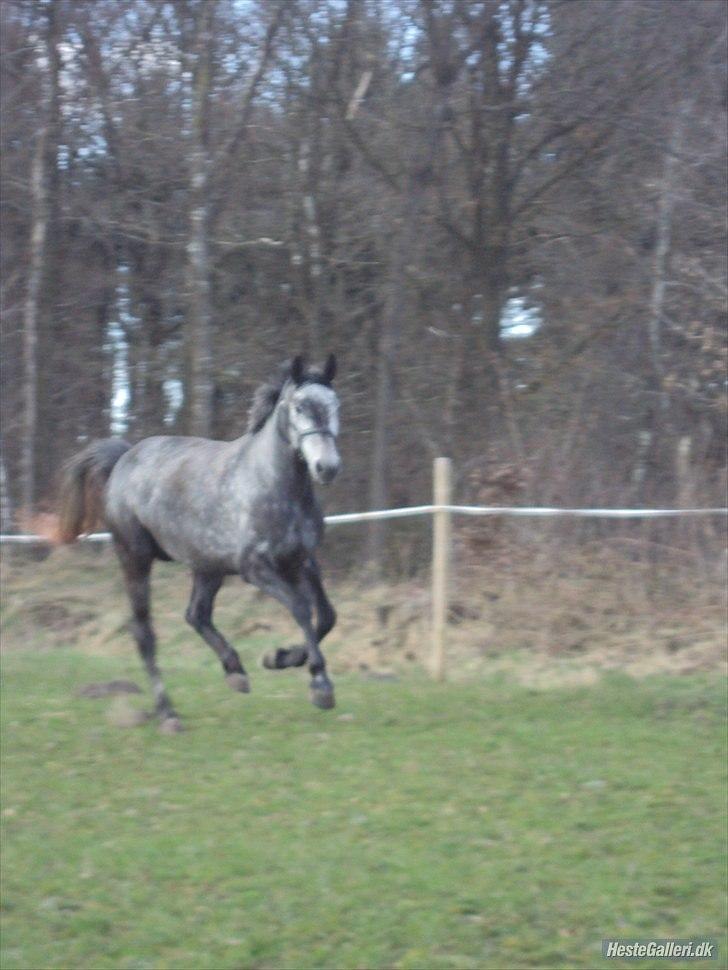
(325, 620)
(294, 592)
(325, 613)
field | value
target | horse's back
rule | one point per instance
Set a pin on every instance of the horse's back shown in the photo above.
(211, 503)
(170, 485)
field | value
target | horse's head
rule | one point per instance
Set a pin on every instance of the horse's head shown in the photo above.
(313, 418)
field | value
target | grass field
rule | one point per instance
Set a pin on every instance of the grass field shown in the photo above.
(479, 824)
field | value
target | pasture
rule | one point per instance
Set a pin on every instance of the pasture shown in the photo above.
(478, 824)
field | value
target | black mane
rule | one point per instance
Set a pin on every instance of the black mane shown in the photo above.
(267, 395)
(265, 399)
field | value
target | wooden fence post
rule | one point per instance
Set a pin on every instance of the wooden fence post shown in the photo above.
(442, 474)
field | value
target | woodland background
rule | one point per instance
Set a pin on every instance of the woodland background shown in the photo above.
(506, 217)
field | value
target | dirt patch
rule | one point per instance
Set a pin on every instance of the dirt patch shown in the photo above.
(109, 689)
(58, 617)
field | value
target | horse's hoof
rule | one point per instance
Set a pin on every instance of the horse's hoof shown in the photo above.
(281, 658)
(323, 697)
(238, 682)
(170, 725)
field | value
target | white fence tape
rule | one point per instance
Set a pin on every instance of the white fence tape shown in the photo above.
(30, 540)
(526, 511)
(508, 510)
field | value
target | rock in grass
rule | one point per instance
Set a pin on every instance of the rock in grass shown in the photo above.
(171, 725)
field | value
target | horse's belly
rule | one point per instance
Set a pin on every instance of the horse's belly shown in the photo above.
(201, 541)
(211, 546)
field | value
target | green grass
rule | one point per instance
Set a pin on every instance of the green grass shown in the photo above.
(417, 825)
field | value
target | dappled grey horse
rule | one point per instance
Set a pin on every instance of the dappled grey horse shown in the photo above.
(242, 507)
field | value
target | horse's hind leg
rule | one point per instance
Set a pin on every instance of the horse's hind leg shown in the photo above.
(199, 616)
(137, 567)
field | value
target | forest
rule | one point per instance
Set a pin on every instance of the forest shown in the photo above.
(507, 218)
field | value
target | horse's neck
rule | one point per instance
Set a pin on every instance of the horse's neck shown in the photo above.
(281, 468)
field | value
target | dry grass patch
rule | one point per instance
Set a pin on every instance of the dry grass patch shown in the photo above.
(555, 616)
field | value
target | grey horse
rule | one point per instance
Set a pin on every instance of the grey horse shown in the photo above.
(245, 507)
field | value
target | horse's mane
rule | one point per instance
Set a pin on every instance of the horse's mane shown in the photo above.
(266, 397)
(268, 394)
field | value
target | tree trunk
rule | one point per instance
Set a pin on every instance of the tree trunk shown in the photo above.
(494, 289)
(57, 407)
(199, 324)
(37, 249)
(419, 179)
(315, 301)
(659, 401)
(6, 502)
(665, 207)
(395, 305)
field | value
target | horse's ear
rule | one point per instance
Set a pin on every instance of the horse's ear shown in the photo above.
(330, 368)
(297, 369)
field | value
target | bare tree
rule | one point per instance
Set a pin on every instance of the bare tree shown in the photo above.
(199, 326)
(43, 158)
(388, 181)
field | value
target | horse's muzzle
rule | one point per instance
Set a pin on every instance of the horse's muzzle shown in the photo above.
(325, 472)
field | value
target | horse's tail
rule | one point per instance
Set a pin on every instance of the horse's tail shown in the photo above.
(81, 495)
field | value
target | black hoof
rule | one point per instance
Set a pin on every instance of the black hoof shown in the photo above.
(239, 682)
(323, 696)
(170, 725)
(271, 660)
(282, 658)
